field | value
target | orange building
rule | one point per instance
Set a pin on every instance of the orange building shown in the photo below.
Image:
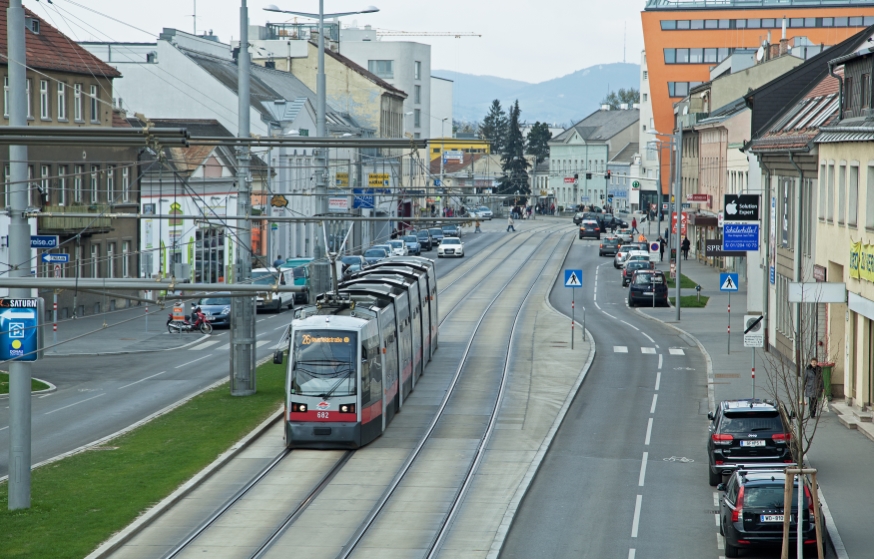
(683, 40)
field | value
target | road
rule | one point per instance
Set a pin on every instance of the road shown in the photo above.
(98, 396)
(626, 476)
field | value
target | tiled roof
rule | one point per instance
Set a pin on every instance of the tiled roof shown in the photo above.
(54, 51)
(363, 71)
(600, 126)
(626, 154)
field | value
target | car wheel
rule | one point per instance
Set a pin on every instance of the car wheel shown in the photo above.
(714, 478)
(810, 550)
(730, 550)
(630, 302)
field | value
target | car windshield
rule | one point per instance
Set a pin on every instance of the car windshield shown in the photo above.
(750, 422)
(769, 496)
(215, 301)
(396, 244)
(411, 239)
(324, 363)
(423, 234)
(351, 260)
(483, 209)
(265, 278)
(451, 241)
(299, 272)
(375, 253)
(449, 229)
(644, 279)
(636, 266)
(437, 231)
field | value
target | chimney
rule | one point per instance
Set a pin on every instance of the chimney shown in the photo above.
(623, 106)
(784, 42)
(605, 107)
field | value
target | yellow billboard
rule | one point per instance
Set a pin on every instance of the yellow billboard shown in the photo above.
(378, 180)
(862, 261)
(341, 180)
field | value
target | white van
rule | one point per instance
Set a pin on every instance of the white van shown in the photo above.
(273, 301)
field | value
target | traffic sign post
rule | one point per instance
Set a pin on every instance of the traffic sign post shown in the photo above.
(574, 280)
(754, 337)
(728, 281)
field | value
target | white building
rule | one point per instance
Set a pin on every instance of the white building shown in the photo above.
(649, 155)
(441, 106)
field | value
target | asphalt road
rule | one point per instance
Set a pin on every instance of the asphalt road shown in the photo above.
(626, 476)
(98, 396)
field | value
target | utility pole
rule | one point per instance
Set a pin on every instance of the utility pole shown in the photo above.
(19, 256)
(243, 308)
(677, 206)
(320, 269)
(442, 156)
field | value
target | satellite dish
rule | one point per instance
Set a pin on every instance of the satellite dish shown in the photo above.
(760, 54)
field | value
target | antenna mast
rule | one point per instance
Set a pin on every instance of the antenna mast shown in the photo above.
(194, 18)
(624, 40)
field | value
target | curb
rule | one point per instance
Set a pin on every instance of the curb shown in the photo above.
(144, 520)
(522, 489)
(50, 389)
(834, 539)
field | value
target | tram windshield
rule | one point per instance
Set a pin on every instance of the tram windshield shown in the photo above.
(324, 363)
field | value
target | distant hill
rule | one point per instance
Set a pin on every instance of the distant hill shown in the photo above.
(559, 101)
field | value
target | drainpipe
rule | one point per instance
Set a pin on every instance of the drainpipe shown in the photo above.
(831, 71)
(766, 295)
(797, 261)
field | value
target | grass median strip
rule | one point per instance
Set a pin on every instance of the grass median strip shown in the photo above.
(81, 501)
(34, 384)
(685, 282)
(691, 301)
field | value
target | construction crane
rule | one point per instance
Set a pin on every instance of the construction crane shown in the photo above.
(456, 34)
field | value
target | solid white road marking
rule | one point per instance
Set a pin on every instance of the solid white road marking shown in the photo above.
(141, 380)
(676, 351)
(76, 404)
(190, 362)
(648, 350)
(262, 320)
(47, 395)
(597, 305)
(635, 327)
(655, 398)
(608, 314)
(648, 432)
(658, 380)
(636, 522)
(4, 428)
(620, 349)
(283, 327)
(262, 343)
(204, 345)
(660, 360)
(716, 518)
(631, 553)
(647, 337)
(720, 541)
(716, 498)
(642, 469)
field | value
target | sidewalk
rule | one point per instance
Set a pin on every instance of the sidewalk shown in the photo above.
(123, 331)
(842, 457)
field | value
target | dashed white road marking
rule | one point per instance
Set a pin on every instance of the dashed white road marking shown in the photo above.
(645, 335)
(660, 360)
(720, 541)
(608, 314)
(642, 469)
(262, 343)
(677, 351)
(76, 404)
(620, 349)
(655, 398)
(635, 524)
(658, 380)
(141, 380)
(716, 498)
(648, 432)
(4, 428)
(716, 518)
(648, 350)
(633, 326)
(204, 345)
(190, 362)
(631, 553)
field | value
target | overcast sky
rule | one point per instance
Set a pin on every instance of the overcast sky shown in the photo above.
(528, 40)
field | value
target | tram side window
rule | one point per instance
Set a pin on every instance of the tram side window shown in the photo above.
(365, 376)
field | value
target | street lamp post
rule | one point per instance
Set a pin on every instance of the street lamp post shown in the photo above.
(675, 142)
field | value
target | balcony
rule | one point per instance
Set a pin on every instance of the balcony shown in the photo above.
(57, 224)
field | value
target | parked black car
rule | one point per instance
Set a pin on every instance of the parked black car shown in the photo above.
(632, 267)
(425, 239)
(752, 508)
(749, 432)
(609, 247)
(648, 287)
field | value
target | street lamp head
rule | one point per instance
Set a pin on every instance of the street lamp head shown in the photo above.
(369, 10)
(272, 8)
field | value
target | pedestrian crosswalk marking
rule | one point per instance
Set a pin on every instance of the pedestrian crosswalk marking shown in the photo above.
(204, 345)
(648, 350)
(620, 349)
(677, 351)
(260, 343)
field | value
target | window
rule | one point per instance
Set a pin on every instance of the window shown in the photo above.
(830, 215)
(79, 170)
(125, 255)
(417, 94)
(696, 56)
(670, 56)
(855, 22)
(769, 23)
(382, 68)
(864, 101)
(842, 195)
(645, 97)
(110, 183)
(31, 186)
(710, 55)
(683, 24)
(754, 23)
(822, 186)
(869, 200)
(125, 185)
(796, 22)
(110, 260)
(645, 74)
(417, 118)
(697, 24)
(669, 25)
(28, 91)
(95, 261)
(417, 70)
(62, 101)
(840, 22)
(95, 110)
(852, 210)
(6, 179)
(44, 112)
(77, 102)
(62, 185)
(45, 173)
(711, 24)
(95, 172)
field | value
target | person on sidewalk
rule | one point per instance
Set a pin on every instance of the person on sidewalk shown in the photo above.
(477, 230)
(662, 245)
(279, 261)
(685, 246)
(813, 386)
(510, 224)
(633, 225)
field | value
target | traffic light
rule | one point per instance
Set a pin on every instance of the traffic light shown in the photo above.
(588, 176)
(576, 176)
(609, 174)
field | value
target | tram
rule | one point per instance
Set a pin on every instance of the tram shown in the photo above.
(357, 354)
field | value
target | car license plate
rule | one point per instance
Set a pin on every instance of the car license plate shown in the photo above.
(207, 315)
(771, 518)
(752, 443)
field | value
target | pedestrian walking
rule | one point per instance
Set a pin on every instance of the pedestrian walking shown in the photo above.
(477, 230)
(510, 224)
(662, 245)
(813, 386)
(279, 261)
(685, 246)
(634, 225)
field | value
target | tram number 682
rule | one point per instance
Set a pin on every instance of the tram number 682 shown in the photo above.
(322, 414)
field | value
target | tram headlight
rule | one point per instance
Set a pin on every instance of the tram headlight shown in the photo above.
(347, 408)
(301, 408)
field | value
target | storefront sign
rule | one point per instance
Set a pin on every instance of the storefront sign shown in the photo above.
(862, 261)
(698, 198)
(819, 273)
(740, 237)
(377, 179)
(341, 180)
(741, 207)
(338, 204)
(713, 248)
(682, 226)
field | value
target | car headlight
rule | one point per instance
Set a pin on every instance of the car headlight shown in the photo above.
(226, 310)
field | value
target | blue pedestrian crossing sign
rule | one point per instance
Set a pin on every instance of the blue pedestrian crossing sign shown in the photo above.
(728, 282)
(573, 278)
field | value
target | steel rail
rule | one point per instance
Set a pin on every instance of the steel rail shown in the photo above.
(358, 536)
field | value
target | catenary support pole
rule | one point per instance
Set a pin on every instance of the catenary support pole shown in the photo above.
(242, 371)
(573, 306)
(753, 370)
(677, 208)
(729, 322)
(321, 272)
(19, 258)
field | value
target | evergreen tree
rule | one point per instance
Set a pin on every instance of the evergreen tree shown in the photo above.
(626, 96)
(494, 127)
(513, 162)
(538, 138)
